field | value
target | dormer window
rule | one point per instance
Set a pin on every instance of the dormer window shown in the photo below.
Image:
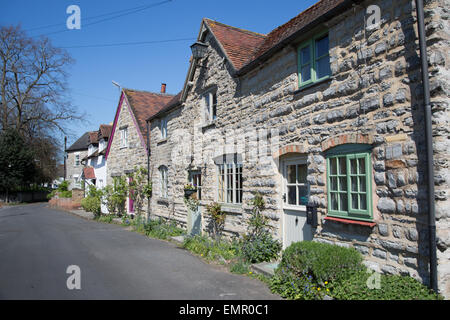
(210, 105)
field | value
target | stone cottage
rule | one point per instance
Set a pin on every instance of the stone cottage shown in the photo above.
(325, 110)
(127, 146)
(75, 154)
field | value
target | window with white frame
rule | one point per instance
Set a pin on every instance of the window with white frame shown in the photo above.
(77, 159)
(163, 128)
(210, 104)
(229, 182)
(164, 181)
(296, 185)
(124, 137)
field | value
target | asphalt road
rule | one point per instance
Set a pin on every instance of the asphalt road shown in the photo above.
(37, 244)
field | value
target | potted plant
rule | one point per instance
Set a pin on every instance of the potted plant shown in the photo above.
(189, 189)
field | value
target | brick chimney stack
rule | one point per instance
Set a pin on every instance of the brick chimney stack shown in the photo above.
(163, 88)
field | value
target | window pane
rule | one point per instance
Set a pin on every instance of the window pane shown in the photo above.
(306, 73)
(291, 174)
(292, 195)
(221, 183)
(322, 46)
(305, 55)
(238, 179)
(229, 183)
(362, 184)
(342, 166)
(343, 184)
(214, 106)
(302, 172)
(333, 182)
(362, 165)
(333, 166)
(303, 195)
(207, 102)
(334, 201)
(353, 166)
(323, 67)
(363, 201)
(343, 201)
(355, 201)
(354, 183)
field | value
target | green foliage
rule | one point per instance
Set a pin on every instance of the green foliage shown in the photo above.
(217, 221)
(260, 247)
(211, 250)
(17, 165)
(65, 194)
(309, 270)
(392, 287)
(162, 229)
(324, 262)
(115, 196)
(240, 266)
(258, 244)
(106, 218)
(64, 186)
(91, 204)
(139, 189)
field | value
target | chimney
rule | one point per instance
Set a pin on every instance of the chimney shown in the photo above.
(163, 88)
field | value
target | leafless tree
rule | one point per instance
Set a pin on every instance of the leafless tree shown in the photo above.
(34, 94)
(33, 84)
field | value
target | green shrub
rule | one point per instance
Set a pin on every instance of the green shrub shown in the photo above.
(240, 266)
(161, 229)
(65, 194)
(309, 270)
(260, 247)
(107, 218)
(91, 204)
(258, 244)
(211, 250)
(52, 194)
(322, 261)
(391, 287)
(64, 186)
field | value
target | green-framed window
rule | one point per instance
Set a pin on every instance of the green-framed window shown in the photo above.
(314, 60)
(349, 182)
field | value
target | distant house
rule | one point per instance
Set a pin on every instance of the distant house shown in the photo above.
(127, 147)
(75, 153)
(59, 176)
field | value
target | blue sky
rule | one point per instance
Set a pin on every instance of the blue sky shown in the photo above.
(144, 66)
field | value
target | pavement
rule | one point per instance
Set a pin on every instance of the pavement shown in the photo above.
(38, 244)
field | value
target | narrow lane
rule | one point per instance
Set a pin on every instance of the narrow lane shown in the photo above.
(37, 244)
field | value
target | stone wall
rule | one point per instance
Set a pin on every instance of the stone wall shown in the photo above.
(374, 96)
(72, 169)
(123, 160)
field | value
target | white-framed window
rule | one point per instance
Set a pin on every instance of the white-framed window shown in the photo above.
(163, 180)
(77, 159)
(210, 105)
(124, 137)
(229, 182)
(195, 178)
(296, 187)
(101, 145)
(163, 128)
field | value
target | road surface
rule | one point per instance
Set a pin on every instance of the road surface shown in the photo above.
(38, 244)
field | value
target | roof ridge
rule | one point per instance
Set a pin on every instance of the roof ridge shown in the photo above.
(146, 91)
(236, 28)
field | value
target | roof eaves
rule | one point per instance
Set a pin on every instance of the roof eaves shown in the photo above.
(281, 44)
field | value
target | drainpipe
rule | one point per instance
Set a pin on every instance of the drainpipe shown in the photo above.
(429, 145)
(148, 166)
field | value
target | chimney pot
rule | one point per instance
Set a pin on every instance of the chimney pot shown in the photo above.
(163, 88)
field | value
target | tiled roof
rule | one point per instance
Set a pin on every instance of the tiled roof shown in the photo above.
(145, 104)
(81, 144)
(172, 103)
(239, 44)
(295, 24)
(104, 131)
(93, 137)
(89, 173)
